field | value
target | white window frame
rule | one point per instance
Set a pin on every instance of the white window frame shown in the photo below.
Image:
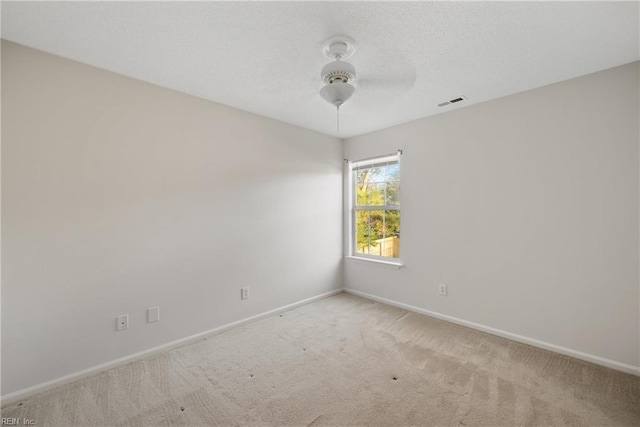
(351, 248)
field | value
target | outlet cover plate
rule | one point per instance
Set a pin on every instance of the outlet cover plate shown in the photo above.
(122, 322)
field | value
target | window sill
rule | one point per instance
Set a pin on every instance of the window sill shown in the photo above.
(387, 264)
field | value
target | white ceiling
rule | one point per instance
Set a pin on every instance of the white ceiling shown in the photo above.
(265, 57)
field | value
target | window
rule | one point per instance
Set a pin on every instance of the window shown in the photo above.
(375, 207)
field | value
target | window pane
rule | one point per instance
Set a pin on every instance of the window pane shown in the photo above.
(377, 186)
(369, 229)
(375, 196)
(359, 176)
(392, 234)
(392, 195)
(362, 179)
(376, 174)
(361, 196)
(362, 232)
(393, 173)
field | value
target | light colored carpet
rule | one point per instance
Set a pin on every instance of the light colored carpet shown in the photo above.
(345, 360)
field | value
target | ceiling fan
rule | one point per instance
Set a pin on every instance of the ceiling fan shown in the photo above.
(339, 77)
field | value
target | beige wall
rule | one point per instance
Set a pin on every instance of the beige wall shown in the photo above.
(527, 208)
(118, 195)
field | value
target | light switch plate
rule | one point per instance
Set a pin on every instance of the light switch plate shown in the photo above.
(153, 314)
(442, 290)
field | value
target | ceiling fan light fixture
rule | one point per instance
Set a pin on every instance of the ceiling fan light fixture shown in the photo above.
(337, 93)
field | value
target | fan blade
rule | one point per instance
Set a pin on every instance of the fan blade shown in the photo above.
(380, 93)
(382, 81)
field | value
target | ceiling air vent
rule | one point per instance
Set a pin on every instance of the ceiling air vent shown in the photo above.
(452, 101)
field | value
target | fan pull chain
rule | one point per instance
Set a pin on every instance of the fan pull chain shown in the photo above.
(338, 117)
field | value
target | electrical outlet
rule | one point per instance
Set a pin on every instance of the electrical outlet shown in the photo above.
(153, 314)
(442, 290)
(244, 293)
(122, 322)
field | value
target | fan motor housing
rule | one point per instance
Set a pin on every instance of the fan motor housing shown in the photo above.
(338, 71)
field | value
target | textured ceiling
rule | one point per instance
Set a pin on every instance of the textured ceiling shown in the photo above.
(265, 57)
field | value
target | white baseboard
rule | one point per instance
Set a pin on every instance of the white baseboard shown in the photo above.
(630, 369)
(15, 396)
